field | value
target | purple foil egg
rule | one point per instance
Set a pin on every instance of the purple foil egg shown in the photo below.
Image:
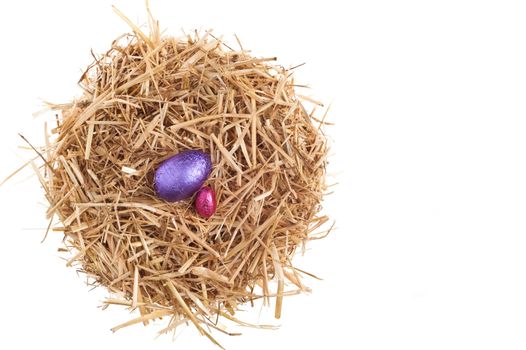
(205, 202)
(180, 176)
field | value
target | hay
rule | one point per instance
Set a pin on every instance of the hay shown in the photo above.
(146, 99)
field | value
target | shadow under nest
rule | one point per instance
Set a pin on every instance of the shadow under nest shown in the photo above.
(147, 99)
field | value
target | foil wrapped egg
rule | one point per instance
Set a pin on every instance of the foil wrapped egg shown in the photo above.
(205, 202)
(180, 176)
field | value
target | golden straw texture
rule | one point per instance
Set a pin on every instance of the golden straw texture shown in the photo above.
(146, 99)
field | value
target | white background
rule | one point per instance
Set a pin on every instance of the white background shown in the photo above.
(429, 153)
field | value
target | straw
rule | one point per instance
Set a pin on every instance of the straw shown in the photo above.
(148, 98)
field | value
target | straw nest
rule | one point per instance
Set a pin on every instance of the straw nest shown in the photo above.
(146, 99)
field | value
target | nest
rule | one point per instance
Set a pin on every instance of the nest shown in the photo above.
(146, 99)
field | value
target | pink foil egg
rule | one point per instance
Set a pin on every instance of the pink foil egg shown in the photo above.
(205, 202)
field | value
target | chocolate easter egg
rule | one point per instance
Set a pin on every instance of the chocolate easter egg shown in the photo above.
(205, 202)
(180, 176)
